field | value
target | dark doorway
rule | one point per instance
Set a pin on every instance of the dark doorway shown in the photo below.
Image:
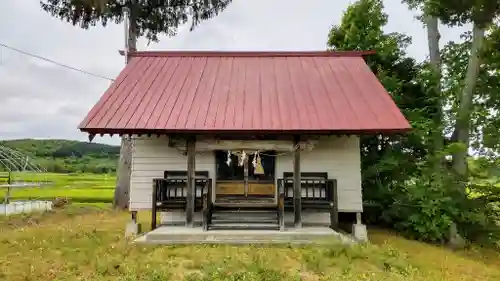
(245, 181)
(234, 171)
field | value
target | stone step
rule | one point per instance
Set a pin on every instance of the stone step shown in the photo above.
(169, 235)
(235, 237)
(232, 242)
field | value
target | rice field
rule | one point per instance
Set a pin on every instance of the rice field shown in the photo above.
(80, 188)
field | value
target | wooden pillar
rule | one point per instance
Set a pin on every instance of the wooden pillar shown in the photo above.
(153, 207)
(134, 216)
(190, 192)
(245, 176)
(297, 190)
(334, 206)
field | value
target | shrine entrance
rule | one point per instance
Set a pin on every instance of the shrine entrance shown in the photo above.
(245, 176)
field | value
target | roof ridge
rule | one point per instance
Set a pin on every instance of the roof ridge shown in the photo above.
(200, 53)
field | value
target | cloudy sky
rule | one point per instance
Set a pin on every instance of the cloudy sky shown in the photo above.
(42, 100)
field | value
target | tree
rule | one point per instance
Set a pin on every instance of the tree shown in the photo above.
(147, 18)
(431, 23)
(401, 182)
(389, 162)
(481, 13)
(152, 18)
(484, 120)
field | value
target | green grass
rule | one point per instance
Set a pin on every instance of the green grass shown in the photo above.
(83, 188)
(87, 243)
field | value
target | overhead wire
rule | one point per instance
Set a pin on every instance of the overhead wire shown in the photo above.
(55, 62)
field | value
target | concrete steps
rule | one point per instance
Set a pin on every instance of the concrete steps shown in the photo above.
(181, 235)
(233, 242)
(232, 219)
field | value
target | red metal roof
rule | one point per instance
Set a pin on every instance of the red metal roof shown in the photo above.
(245, 91)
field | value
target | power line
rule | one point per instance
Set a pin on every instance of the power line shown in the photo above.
(55, 62)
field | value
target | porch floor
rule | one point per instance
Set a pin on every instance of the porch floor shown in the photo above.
(170, 235)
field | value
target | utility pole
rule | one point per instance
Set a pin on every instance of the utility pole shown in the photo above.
(122, 190)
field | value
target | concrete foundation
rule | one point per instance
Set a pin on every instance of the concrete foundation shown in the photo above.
(132, 228)
(183, 235)
(359, 232)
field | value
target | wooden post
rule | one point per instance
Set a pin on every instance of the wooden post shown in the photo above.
(205, 210)
(7, 196)
(134, 216)
(154, 196)
(245, 177)
(334, 206)
(190, 192)
(281, 204)
(297, 190)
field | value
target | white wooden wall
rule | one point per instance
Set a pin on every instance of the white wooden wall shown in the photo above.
(339, 156)
(151, 157)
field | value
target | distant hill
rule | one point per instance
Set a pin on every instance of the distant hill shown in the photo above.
(68, 156)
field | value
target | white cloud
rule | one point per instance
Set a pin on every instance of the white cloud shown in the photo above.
(41, 100)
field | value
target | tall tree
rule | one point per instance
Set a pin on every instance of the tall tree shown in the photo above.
(147, 18)
(481, 14)
(431, 23)
(388, 162)
(399, 172)
(121, 196)
(484, 120)
(152, 18)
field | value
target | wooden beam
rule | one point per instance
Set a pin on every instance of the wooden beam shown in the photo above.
(249, 145)
(297, 190)
(191, 143)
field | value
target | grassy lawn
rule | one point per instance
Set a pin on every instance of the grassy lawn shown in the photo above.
(87, 243)
(79, 187)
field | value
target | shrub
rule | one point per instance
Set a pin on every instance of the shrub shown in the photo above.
(425, 209)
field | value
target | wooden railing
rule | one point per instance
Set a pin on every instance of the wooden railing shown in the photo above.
(171, 194)
(316, 194)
